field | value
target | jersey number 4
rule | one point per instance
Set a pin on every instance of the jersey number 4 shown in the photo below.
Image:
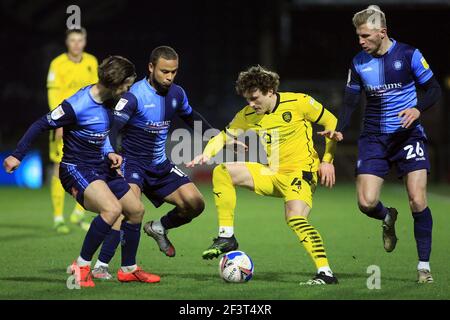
(410, 148)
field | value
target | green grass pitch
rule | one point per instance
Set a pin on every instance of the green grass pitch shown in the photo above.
(33, 258)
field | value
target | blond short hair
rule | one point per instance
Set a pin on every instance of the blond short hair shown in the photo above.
(372, 16)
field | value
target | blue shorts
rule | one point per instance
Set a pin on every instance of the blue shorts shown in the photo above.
(406, 149)
(76, 178)
(156, 182)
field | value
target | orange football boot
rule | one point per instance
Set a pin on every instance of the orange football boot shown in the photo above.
(83, 275)
(137, 275)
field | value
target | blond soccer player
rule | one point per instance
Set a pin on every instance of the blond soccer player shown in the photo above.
(68, 73)
(283, 121)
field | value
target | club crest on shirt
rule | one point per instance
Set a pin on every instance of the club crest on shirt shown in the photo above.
(287, 116)
(57, 113)
(121, 104)
(397, 64)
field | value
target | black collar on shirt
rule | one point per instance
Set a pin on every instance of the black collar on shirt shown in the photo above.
(276, 104)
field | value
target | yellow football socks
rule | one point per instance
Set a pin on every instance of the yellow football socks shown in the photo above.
(57, 195)
(311, 240)
(78, 210)
(224, 195)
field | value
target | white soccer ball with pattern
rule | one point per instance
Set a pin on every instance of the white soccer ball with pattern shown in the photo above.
(236, 266)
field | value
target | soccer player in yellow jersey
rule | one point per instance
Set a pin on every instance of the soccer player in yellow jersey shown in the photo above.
(283, 121)
(68, 73)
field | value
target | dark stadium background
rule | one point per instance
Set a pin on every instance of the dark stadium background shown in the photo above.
(309, 43)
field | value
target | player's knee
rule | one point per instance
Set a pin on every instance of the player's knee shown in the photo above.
(219, 173)
(367, 202)
(366, 206)
(136, 213)
(236, 172)
(417, 203)
(198, 207)
(112, 212)
(140, 210)
(192, 207)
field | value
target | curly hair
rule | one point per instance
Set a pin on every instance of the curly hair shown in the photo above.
(257, 77)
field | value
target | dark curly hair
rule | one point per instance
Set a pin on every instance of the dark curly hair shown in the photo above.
(257, 77)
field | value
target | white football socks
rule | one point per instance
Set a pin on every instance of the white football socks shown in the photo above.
(226, 232)
(128, 269)
(99, 264)
(82, 263)
(58, 219)
(424, 265)
(327, 271)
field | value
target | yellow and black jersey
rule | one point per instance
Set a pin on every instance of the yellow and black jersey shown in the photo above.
(66, 77)
(286, 132)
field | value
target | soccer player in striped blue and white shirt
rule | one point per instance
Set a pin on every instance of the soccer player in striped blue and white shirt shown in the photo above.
(388, 72)
(88, 167)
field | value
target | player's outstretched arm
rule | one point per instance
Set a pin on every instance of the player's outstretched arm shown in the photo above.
(198, 160)
(59, 117)
(212, 148)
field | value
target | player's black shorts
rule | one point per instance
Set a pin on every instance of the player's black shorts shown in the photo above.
(156, 182)
(76, 178)
(407, 150)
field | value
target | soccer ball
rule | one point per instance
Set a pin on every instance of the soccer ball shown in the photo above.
(236, 266)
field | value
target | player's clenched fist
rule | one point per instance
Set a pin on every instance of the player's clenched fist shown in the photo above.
(10, 164)
(116, 160)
